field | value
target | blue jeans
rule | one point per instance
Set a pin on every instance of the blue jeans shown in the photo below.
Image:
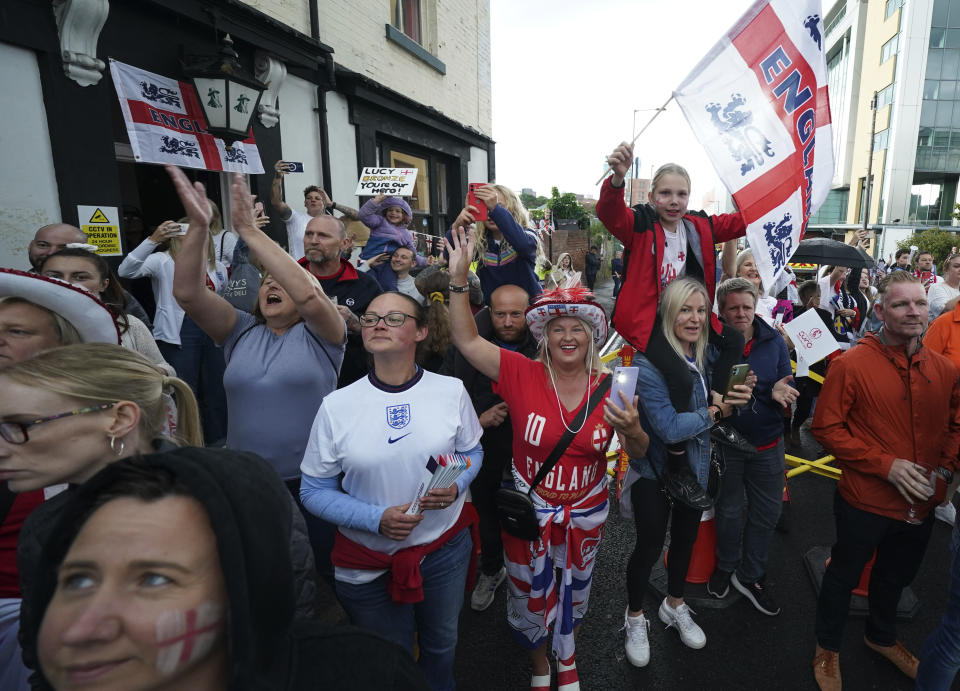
(761, 475)
(199, 362)
(940, 658)
(434, 619)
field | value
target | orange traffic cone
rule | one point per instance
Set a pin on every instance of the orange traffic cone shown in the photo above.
(703, 559)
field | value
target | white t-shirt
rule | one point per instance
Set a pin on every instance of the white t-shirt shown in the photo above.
(408, 286)
(381, 441)
(674, 255)
(224, 243)
(296, 227)
(938, 296)
(826, 295)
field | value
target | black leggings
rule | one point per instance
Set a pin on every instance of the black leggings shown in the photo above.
(650, 514)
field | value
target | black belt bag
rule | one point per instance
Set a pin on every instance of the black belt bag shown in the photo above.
(515, 509)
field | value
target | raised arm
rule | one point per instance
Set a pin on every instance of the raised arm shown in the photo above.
(214, 315)
(314, 306)
(728, 260)
(329, 204)
(276, 191)
(479, 352)
(137, 263)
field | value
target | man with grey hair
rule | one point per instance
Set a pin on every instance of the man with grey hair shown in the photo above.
(323, 240)
(758, 472)
(888, 412)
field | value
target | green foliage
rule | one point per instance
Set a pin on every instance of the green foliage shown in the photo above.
(935, 240)
(566, 206)
(535, 214)
(532, 202)
(956, 211)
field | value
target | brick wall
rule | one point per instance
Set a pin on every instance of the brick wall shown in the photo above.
(460, 39)
(573, 241)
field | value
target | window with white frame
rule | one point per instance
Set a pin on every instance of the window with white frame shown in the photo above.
(889, 49)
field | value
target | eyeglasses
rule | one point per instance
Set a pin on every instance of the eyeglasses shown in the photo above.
(16, 432)
(390, 319)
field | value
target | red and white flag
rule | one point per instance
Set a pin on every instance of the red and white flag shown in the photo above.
(165, 123)
(758, 103)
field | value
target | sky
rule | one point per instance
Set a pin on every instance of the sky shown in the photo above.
(567, 76)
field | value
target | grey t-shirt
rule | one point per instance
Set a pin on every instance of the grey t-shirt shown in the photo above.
(274, 386)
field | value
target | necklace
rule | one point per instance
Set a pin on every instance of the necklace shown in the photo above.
(560, 405)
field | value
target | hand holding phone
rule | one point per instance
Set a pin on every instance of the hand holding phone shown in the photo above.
(481, 213)
(625, 380)
(738, 375)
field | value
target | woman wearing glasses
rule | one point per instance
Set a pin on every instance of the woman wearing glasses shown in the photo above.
(70, 411)
(400, 570)
(281, 360)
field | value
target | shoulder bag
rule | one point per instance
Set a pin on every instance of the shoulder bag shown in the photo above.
(515, 508)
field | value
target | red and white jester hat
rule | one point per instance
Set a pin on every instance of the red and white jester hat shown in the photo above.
(575, 302)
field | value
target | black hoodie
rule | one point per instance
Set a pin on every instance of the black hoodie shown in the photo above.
(249, 511)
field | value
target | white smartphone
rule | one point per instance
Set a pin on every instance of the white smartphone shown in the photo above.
(183, 228)
(625, 380)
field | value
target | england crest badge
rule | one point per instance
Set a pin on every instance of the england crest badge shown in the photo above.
(398, 416)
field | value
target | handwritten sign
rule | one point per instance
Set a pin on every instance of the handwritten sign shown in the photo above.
(394, 182)
(811, 338)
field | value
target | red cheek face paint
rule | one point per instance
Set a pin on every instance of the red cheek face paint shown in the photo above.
(185, 636)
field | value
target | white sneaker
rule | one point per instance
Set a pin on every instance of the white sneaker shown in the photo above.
(691, 634)
(946, 513)
(637, 643)
(486, 589)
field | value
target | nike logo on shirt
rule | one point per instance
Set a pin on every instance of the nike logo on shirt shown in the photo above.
(391, 440)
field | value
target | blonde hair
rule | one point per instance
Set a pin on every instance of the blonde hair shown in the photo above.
(673, 298)
(743, 256)
(64, 330)
(511, 202)
(591, 361)
(669, 169)
(173, 246)
(103, 372)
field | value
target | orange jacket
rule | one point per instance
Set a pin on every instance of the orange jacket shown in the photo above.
(943, 336)
(878, 405)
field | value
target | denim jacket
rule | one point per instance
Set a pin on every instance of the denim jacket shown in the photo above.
(666, 426)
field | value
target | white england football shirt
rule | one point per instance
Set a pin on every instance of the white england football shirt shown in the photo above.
(674, 255)
(381, 441)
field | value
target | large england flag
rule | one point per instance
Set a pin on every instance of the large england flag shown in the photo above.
(758, 103)
(165, 123)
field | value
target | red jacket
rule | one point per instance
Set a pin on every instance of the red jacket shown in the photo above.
(877, 405)
(636, 305)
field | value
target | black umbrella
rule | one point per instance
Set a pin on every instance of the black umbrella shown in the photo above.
(824, 251)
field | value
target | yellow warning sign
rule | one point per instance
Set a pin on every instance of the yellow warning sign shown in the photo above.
(103, 228)
(99, 217)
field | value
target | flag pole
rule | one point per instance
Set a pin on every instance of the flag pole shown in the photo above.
(642, 130)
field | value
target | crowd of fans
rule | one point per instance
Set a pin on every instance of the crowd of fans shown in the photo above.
(387, 432)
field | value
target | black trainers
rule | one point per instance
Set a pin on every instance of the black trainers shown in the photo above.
(758, 594)
(682, 485)
(719, 583)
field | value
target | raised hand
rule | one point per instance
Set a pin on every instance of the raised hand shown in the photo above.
(460, 252)
(488, 195)
(620, 161)
(193, 195)
(241, 211)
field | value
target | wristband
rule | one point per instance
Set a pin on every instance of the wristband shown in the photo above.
(332, 207)
(459, 289)
(945, 474)
(719, 414)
